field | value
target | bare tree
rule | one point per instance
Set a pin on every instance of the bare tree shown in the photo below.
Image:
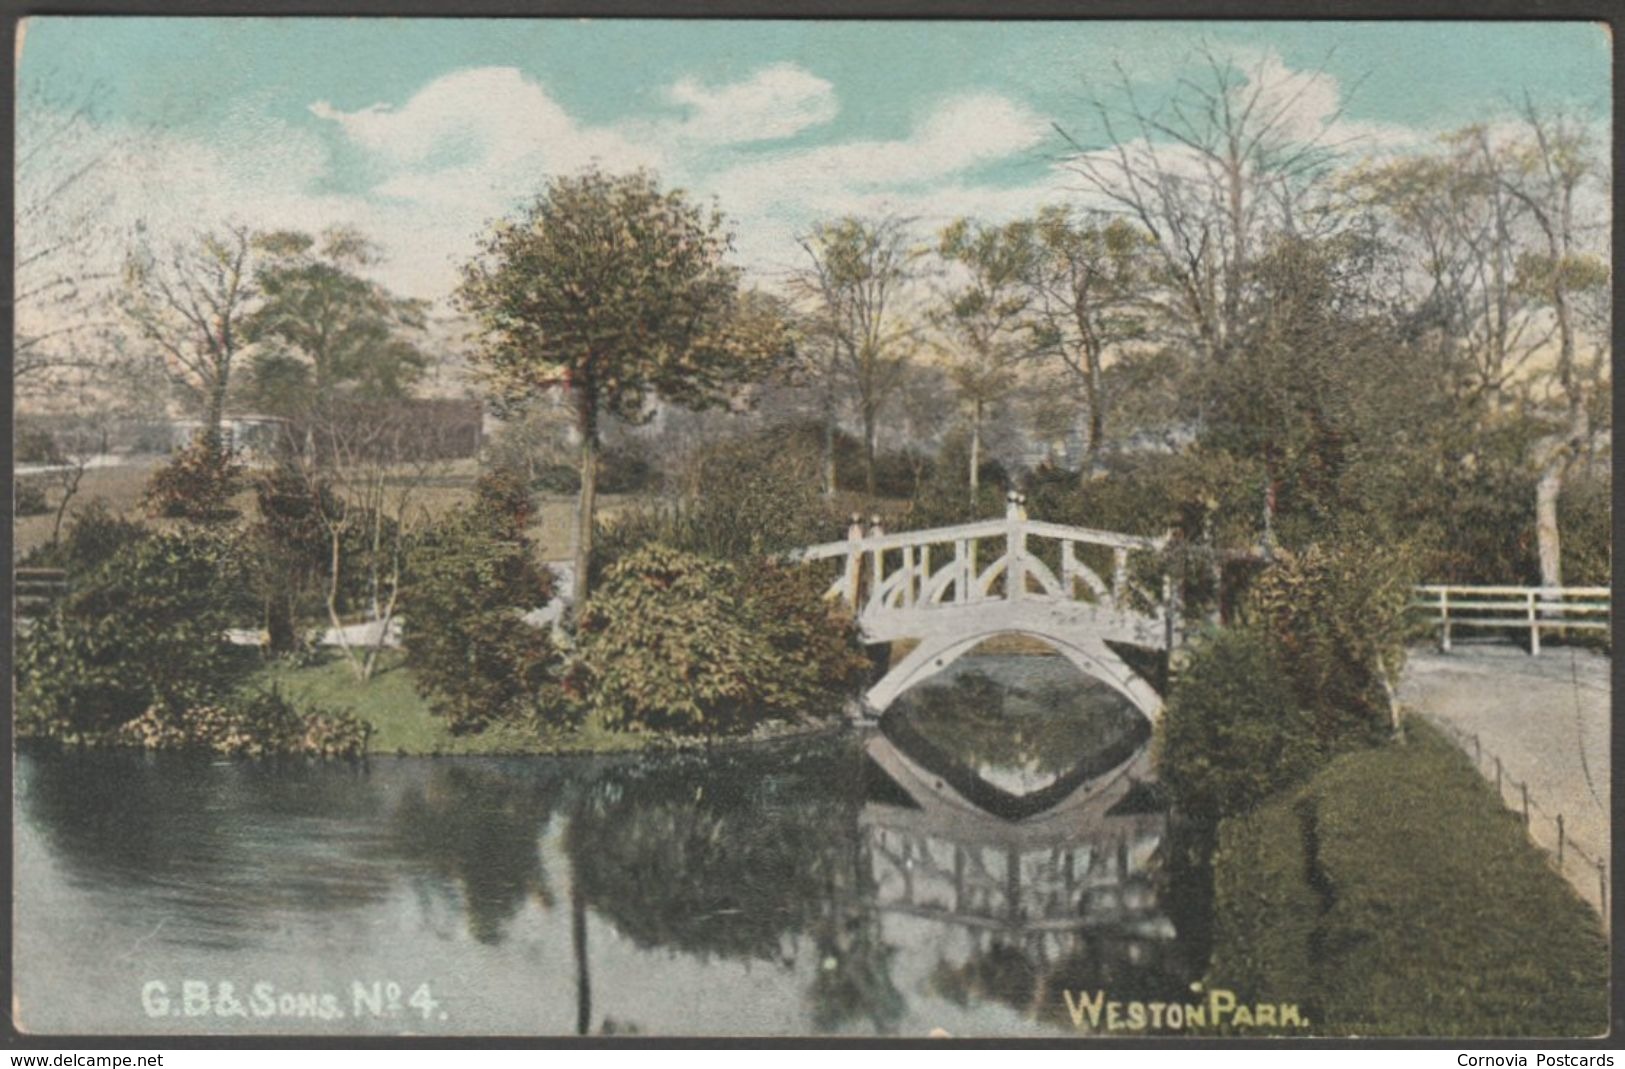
(190, 303)
(1207, 174)
(856, 284)
(366, 466)
(59, 287)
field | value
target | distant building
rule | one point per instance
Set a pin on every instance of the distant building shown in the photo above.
(251, 438)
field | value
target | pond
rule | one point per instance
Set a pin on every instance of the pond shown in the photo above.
(825, 885)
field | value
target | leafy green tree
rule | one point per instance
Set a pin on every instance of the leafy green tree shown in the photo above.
(619, 292)
(349, 331)
(985, 317)
(855, 284)
(1089, 278)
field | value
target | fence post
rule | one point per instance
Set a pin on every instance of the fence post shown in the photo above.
(1015, 549)
(1478, 752)
(1602, 888)
(1524, 788)
(1534, 626)
(854, 561)
(1444, 619)
(1561, 839)
(1498, 778)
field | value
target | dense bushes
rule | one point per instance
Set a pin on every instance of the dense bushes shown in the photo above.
(472, 579)
(1233, 733)
(196, 484)
(256, 724)
(28, 498)
(145, 628)
(677, 642)
(1305, 677)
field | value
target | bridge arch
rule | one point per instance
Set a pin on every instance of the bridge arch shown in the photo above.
(1089, 655)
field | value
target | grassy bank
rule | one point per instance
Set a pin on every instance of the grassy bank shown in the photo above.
(402, 723)
(1394, 895)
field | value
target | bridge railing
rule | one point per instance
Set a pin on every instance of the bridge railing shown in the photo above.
(1514, 608)
(1004, 559)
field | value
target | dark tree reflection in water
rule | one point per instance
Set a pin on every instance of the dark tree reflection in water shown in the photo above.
(816, 885)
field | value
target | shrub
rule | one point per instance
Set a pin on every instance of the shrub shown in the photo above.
(1335, 617)
(91, 537)
(257, 724)
(472, 578)
(29, 498)
(197, 484)
(35, 445)
(145, 628)
(679, 642)
(752, 497)
(1233, 733)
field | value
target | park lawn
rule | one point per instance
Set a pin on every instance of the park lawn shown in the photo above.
(1394, 895)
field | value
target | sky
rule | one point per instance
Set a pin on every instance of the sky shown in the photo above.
(421, 132)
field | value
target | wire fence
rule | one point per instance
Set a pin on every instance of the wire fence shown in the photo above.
(1585, 867)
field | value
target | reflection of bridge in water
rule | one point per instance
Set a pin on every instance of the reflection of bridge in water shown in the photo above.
(933, 587)
(1077, 879)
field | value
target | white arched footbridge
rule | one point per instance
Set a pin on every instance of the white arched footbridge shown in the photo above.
(950, 588)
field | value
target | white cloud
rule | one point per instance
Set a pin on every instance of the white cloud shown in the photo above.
(775, 103)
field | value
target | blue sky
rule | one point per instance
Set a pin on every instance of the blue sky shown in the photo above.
(419, 131)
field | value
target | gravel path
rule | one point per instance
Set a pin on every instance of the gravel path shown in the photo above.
(1547, 718)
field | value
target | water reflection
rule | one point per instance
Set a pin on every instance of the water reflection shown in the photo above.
(824, 885)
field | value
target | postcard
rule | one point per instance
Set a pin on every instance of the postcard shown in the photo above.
(1072, 530)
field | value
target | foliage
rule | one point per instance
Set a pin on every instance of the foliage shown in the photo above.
(1395, 895)
(29, 498)
(256, 724)
(752, 496)
(471, 579)
(1335, 617)
(92, 536)
(146, 628)
(680, 642)
(857, 340)
(196, 484)
(353, 332)
(619, 290)
(34, 445)
(1586, 507)
(1233, 733)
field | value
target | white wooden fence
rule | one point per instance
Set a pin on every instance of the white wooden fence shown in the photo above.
(1515, 608)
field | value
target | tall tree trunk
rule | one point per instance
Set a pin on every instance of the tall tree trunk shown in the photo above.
(1097, 415)
(829, 455)
(214, 416)
(1548, 540)
(586, 500)
(871, 431)
(975, 452)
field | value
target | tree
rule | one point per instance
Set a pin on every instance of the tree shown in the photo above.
(1088, 274)
(191, 303)
(474, 576)
(620, 293)
(985, 318)
(1207, 174)
(59, 288)
(364, 478)
(856, 282)
(1515, 290)
(349, 331)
